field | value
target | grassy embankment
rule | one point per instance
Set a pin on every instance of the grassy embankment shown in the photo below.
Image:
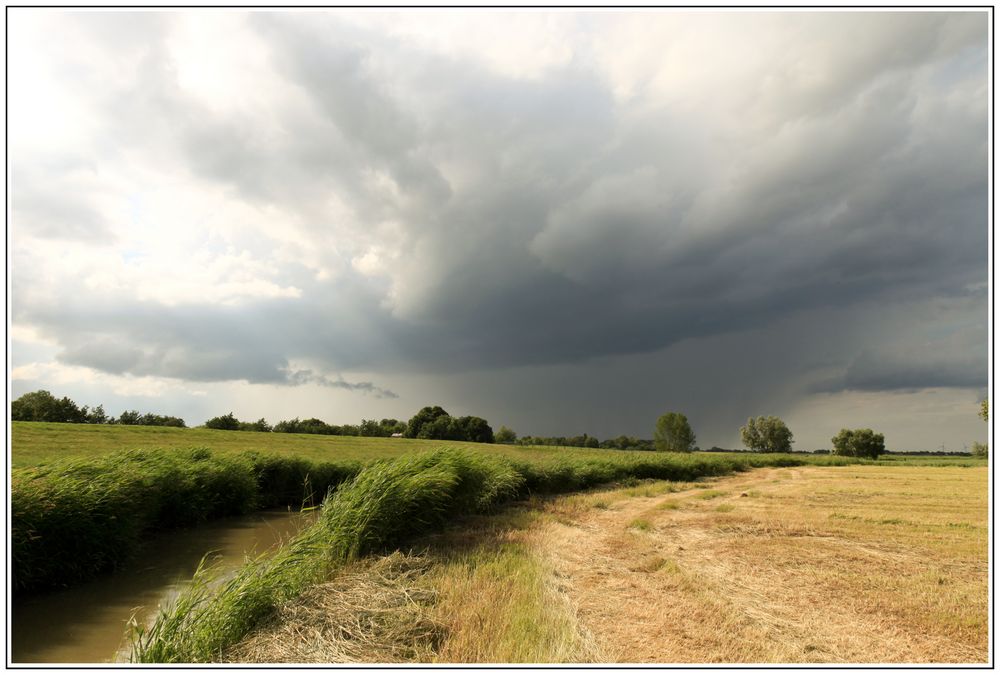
(863, 564)
(385, 505)
(75, 518)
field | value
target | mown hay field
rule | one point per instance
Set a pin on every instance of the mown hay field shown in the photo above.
(860, 564)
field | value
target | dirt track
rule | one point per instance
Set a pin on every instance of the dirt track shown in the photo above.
(766, 572)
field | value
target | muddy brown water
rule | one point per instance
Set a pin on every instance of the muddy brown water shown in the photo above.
(86, 623)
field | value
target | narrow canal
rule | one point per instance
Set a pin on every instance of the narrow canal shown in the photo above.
(86, 624)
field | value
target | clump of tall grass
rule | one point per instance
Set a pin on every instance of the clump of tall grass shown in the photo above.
(74, 519)
(386, 502)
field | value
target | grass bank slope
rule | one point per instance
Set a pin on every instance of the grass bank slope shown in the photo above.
(73, 519)
(387, 503)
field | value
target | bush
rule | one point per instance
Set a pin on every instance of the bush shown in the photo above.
(980, 450)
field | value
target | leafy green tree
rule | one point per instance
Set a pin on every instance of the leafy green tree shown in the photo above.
(370, 428)
(259, 425)
(858, 443)
(442, 428)
(766, 434)
(151, 420)
(130, 417)
(97, 416)
(475, 429)
(425, 416)
(982, 449)
(226, 422)
(42, 406)
(505, 435)
(392, 426)
(673, 433)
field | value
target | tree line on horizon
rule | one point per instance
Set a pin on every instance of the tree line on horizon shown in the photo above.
(42, 406)
(672, 433)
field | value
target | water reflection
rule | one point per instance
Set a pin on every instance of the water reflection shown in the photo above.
(86, 624)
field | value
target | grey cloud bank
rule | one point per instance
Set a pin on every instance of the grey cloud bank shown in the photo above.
(279, 198)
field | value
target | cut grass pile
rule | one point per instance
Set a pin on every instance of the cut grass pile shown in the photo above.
(385, 504)
(73, 519)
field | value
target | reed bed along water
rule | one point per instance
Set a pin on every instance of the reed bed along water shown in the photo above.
(386, 503)
(73, 519)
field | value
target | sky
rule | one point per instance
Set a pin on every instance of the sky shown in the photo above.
(565, 222)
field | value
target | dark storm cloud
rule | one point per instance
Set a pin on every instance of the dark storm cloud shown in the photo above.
(543, 220)
(309, 377)
(589, 236)
(208, 343)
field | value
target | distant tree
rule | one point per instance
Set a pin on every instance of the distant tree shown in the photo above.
(673, 433)
(259, 425)
(151, 420)
(129, 417)
(314, 425)
(42, 406)
(97, 416)
(443, 427)
(425, 416)
(981, 449)
(392, 426)
(766, 434)
(858, 443)
(226, 422)
(475, 429)
(370, 428)
(505, 435)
